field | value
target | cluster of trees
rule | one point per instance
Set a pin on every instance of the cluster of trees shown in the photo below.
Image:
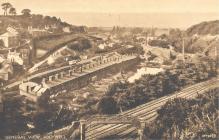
(150, 87)
(12, 119)
(9, 9)
(52, 116)
(136, 49)
(186, 119)
(53, 23)
(129, 95)
(81, 45)
(159, 43)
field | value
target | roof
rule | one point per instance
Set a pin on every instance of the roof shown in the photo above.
(42, 90)
(37, 30)
(11, 32)
(30, 84)
(8, 34)
(38, 90)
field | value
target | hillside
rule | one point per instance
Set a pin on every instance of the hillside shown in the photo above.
(200, 38)
(47, 44)
(53, 24)
(204, 28)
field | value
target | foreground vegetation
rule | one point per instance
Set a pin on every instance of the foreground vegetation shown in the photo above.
(186, 119)
(122, 96)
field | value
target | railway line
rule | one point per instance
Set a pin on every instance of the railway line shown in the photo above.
(146, 112)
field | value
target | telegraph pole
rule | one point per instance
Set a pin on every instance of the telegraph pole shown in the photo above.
(183, 48)
(146, 41)
(82, 129)
(141, 130)
(215, 49)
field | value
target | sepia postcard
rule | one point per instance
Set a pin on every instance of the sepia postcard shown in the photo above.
(109, 69)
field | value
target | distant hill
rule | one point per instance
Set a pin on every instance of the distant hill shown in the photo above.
(204, 28)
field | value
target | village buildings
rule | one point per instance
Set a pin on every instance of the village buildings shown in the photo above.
(37, 32)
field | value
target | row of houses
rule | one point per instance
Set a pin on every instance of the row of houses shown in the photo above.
(73, 77)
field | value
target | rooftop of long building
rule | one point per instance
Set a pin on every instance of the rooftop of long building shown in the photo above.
(59, 81)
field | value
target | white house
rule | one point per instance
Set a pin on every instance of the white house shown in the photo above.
(6, 69)
(102, 46)
(10, 38)
(15, 57)
(66, 29)
(37, 32)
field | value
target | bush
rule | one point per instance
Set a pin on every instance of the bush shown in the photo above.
(150, 87)
(107, 105)
(186, 119)
(159, 43)
(82, 45)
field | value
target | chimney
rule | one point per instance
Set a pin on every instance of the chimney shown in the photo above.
(27, 89)
(43, 81)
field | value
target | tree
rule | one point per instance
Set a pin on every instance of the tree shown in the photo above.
(12, 11)
(5, 7)
(37, 20)
(137, 30)
(107, 105)
(54, 19)
(47, 20)
(43, 121)
(26, 12)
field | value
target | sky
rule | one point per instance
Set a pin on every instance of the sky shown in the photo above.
(124, 12)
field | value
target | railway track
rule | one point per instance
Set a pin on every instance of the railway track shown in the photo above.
(146, 112)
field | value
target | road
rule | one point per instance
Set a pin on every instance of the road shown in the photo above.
(146, 112)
